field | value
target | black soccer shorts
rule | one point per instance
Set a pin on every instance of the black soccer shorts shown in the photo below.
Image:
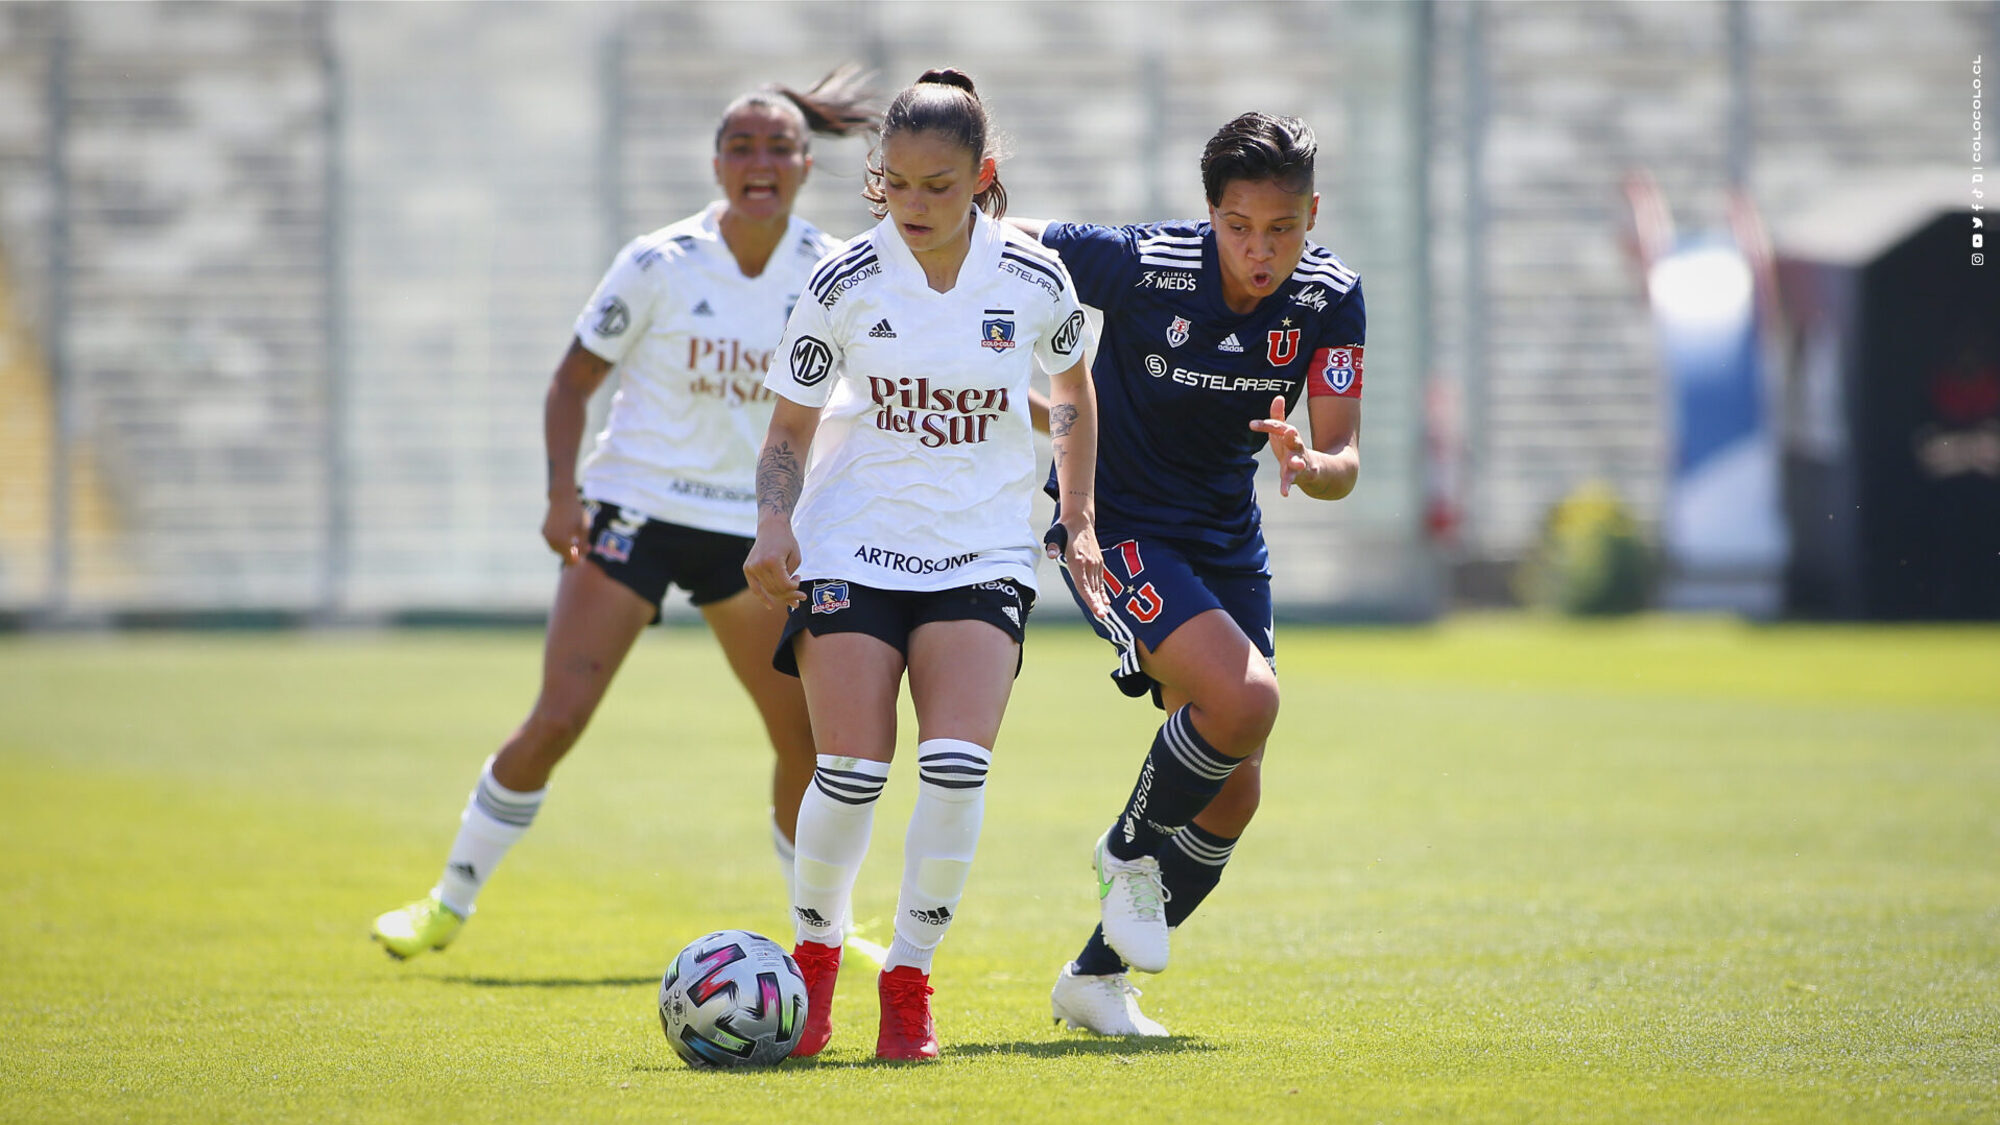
(839, 606)
(646, 556)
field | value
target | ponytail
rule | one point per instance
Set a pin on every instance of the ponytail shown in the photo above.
(941, 101)
(838, 105)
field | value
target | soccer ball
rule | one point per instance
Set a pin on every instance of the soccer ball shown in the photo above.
(733, 998)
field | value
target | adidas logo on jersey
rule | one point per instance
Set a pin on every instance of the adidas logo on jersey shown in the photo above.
(882, 331)
(1230, 343)
(701, 308)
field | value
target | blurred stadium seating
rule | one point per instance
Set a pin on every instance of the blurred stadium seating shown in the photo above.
(288, 279)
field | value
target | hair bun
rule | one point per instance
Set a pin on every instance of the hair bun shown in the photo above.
(949, 76)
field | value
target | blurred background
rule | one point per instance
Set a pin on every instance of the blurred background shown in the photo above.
(1670, 303)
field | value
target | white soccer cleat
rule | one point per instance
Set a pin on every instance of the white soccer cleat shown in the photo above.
(1107, 1005)
(1133, 903)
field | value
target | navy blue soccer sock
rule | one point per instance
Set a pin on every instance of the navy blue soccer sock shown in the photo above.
(1097, 960)
(1181, 775)
(1191, 863)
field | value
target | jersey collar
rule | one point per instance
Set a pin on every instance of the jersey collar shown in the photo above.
(711, 231)
(982, 255)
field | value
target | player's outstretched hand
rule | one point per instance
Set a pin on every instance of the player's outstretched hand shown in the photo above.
(1286, 445)
(566, 528)
(1074, 541)
(772, 566)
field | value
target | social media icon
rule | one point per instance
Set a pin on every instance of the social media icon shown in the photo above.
(1978, 240)
(1977, 222)
(1978, 259)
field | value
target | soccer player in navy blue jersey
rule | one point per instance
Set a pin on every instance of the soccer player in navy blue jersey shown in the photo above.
(1213, 332)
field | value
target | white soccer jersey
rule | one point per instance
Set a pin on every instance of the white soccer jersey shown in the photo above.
(922, 474)
(691, 338)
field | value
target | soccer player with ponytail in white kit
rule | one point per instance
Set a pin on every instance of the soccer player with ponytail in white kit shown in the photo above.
(687, 316)
(1213, 333)
(895, 493)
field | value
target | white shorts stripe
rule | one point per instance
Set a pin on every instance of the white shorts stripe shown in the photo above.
(1123, 640)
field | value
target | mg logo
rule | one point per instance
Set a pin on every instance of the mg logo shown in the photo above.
(811, 360)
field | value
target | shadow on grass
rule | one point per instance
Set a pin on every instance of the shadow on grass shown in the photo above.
(1028, 1048)
(1064, 1048)
(551, 982)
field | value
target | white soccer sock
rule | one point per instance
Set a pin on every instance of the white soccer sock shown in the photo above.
(787, 854)
(835, 819)
(937, 852)
(495, 818)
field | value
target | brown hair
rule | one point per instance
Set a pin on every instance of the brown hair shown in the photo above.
(838, 105)
(941, 101)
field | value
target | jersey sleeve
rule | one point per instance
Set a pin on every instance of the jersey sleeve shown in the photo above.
(1102, 260)
(621, 309)
(808, 357)
(1068, 339)
(1337, 362)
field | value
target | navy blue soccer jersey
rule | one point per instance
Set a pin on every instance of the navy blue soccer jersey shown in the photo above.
(1180, 377)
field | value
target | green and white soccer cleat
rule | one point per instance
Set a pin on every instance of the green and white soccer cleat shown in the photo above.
(423, 924)
(1132, 901)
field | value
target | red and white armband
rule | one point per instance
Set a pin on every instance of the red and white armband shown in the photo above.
(1335, 371)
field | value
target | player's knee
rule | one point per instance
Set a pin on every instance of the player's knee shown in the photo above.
(1262, 706)
(1242, 717)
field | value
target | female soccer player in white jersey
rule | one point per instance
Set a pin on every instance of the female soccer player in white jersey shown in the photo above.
(894, 492)
(687, 316)
(1213, 332)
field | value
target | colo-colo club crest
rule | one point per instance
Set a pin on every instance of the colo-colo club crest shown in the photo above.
(996, 333)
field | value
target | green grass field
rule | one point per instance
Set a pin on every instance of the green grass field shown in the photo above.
(1505, 870)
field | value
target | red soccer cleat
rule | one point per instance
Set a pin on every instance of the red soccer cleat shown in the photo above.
(820, 965)
(908, 1032)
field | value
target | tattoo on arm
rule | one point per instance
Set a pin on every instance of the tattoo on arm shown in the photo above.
(1061, 420)
(778, 479)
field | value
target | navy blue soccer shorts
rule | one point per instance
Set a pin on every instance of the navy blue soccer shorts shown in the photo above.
(1155, 589)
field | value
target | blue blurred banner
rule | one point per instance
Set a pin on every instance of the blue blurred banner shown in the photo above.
(1722, 528)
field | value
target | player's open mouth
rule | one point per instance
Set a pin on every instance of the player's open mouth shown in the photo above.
(760, 191)
(915, 230)
(1260, 279)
